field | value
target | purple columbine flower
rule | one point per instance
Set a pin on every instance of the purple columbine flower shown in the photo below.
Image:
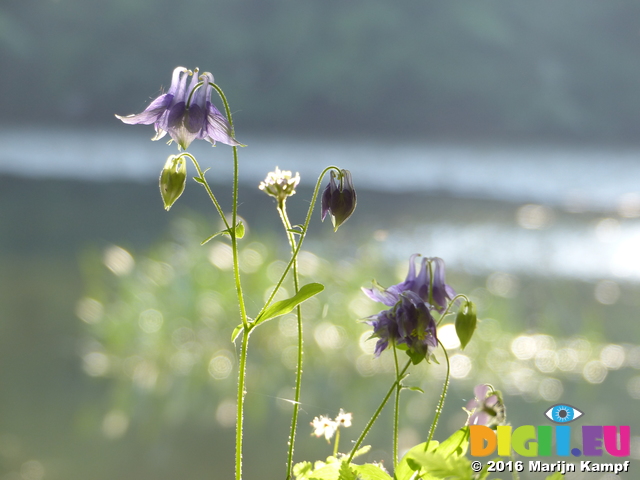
(408, 324)
(186, 113)
(339, 200)
(417, 283)
(487, 408)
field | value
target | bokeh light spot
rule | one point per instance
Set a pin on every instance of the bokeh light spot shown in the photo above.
(118, 260)
(89, 310)
(448, 336)
(607, 292)
(460, 366)
(551, 389)
(502, 284)
(594, 372)
(221, 365)
(115, 424)
(534, 217)
(150, 320)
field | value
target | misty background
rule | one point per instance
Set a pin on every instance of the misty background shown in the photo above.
(500, 136)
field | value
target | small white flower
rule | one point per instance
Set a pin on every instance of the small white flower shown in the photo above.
(323, 425)
(280, 184)
(344, 419)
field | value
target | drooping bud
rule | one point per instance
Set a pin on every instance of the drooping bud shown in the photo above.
(339, 200)
(466, 322)
(173, 179)
(280, 184)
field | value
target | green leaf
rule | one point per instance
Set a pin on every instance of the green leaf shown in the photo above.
(330, 471)
(302, 470)
(413, 389)
(285, 306)
(199, 180)
(240, 230)
(236, 332)
(456, 444)
(346, 472)
(370, 471)
(404, 470)
(466, 323)
(208, 239)
(361, 451)
(226, 231)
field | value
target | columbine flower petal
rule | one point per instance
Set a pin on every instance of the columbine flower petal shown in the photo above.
(183, 119)
(158, 107)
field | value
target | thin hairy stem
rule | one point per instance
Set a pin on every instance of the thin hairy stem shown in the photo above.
(241, 305)
(396, 410)
(240, 401)
(445, 387)
(282, 210)
(446, 312)
(377, 412)
(205, 184)
(303, 234)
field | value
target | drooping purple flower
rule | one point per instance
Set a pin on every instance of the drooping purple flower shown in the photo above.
(339, 200)
(487, 408)
(417, 283)
(186, 113)
(408, 324)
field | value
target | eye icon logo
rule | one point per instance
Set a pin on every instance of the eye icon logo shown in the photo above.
(563, 413)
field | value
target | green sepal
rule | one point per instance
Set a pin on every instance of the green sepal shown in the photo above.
(285, 306)
(466, 322)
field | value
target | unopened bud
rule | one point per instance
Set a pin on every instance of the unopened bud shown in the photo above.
(173, 179)
(339, 200)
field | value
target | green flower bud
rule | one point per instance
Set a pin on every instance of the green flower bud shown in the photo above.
(173, 179)
(466, 322)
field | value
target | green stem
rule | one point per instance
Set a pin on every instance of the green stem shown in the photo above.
(446, 312)
(335, 445)
(205, 184)
(282, 210)
(236, 274)
(240, 406)
(445, 387)
(396, 410)
(377, 413)
(305, 227)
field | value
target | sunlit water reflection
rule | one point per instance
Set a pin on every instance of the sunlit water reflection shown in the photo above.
(544, 179)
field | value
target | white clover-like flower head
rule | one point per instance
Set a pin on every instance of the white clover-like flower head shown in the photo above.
(280, 184)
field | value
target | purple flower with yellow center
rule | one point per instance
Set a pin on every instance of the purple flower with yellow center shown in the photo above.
(186, 113)
(487, 408)
(419, 284)
(339, 200)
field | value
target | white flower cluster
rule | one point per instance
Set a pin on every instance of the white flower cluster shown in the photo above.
(280, 184)
(325, 426)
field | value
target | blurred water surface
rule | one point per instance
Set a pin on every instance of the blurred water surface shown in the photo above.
(576, 208)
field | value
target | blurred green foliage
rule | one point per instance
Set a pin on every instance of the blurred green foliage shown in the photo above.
(78, 416)
(506, 69)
